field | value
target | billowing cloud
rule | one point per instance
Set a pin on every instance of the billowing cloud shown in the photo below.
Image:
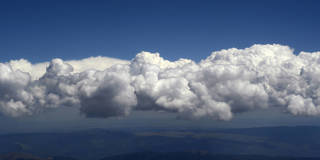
(227, 82)
(38, 70)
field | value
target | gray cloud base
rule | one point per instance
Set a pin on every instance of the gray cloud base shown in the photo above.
(227, 82)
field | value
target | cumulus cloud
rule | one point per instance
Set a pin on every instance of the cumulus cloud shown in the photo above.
(38, 70)
(227, 82)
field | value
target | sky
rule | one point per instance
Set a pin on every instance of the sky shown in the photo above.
(40, 31)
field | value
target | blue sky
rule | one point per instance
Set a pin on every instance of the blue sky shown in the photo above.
(40, 30)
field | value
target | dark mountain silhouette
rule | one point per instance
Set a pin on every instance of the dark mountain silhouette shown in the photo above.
(197, 156)
(27, 156)
(161, 156)
(19, 156)
(302, 141)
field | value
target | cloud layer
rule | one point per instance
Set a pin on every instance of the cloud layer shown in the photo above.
(227, 82)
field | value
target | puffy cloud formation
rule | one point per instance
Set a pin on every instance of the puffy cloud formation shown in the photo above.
(227, 82)
(38, 70)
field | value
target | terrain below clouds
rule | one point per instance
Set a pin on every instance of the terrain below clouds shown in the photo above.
(270, 142)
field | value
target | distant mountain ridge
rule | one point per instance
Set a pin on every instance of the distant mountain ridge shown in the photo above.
(300, 141)
(160, 156)
(19, 156)
(27, 156)
(197, 156)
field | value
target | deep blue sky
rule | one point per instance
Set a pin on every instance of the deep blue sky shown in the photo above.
(44, 29)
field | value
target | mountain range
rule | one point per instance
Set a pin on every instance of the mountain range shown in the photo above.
(294, 142)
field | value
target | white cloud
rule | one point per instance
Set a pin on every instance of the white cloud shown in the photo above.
(227, 82)
(38, 70)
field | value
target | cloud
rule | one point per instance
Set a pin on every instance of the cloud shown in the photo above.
(225, 83)
(38, 70)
